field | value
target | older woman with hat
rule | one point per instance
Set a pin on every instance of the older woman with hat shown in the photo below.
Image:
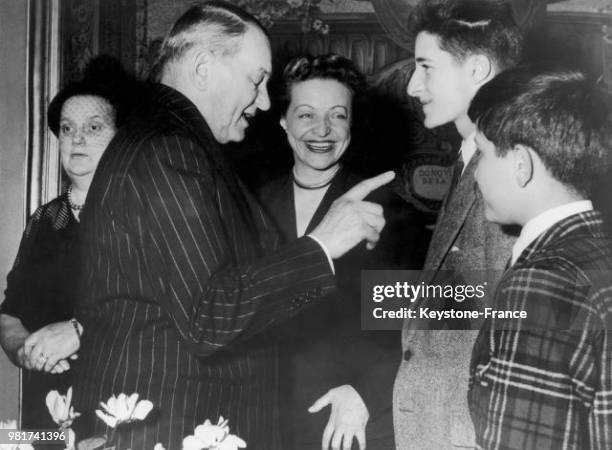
(36, 317)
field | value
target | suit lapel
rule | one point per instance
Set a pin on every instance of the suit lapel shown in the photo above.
(452, 217)
(284, 207)
(188, 115)
(337, 187)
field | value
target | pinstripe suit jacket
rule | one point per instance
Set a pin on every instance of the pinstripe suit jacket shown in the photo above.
(545, 382)
(182, 271)
(430, 410)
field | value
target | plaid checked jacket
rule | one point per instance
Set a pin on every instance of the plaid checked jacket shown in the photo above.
(546, 381)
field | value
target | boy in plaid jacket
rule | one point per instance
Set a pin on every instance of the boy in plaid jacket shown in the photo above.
(545, 381)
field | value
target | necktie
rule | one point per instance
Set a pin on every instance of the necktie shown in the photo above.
(457, 169)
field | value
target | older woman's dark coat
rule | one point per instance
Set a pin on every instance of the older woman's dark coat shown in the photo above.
(41, 289)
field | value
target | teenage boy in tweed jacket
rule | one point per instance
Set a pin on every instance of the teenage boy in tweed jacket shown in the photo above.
(545, 381)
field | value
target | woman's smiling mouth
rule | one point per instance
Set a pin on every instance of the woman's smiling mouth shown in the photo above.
(320, 146)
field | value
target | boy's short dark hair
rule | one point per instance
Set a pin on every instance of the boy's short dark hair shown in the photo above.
(468, 27)
(565, 118)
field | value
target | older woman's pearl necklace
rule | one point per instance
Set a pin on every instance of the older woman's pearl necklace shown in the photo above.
(73, 205)
(320, 185)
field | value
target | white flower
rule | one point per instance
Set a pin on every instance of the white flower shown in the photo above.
(70, 439)
(12, 425)
(324, 28)
(60, 409)
(317, 24)
(158, 446)
(16, 447)
(123, 409)
(231, 442)
(8, 425)
(213, 437)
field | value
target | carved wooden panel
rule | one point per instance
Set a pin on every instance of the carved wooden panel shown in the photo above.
(114, 27)
(576, 39)
(358, 37)
(607, 57)
(79, 25)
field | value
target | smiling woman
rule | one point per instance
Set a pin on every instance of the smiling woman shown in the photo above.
(324, 350)
(318, 112)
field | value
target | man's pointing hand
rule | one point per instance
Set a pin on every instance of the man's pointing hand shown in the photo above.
(351, 220)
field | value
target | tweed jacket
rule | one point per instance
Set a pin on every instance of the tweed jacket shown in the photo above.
(545, 381)
(182, 272)
(430, 393)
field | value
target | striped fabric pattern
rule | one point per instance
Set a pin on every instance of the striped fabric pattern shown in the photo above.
(183, 272)
(546, 382)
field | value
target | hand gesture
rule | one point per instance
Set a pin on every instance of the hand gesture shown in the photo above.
(347, 420)
(351, 220)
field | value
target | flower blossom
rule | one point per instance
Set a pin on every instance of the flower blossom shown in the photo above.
(8, 425)
(159, 446)
(265, 19)
(213, 437)
(70, 439)
(12, 425)
(60, 409)
(124, 409)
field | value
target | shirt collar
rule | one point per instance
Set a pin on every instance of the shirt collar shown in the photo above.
(468, 148)
(542, 222)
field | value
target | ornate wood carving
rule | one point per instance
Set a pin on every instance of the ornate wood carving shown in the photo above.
(112, 33)
(576, 39)
(356, 36)
(606, 55)
(79, 26)
(142, 47)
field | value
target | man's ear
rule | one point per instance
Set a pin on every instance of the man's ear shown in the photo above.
(482, 69)
(523, 164)
(200, 68)
(283, 123)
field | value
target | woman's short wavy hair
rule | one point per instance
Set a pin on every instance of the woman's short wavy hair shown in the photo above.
(330, 66)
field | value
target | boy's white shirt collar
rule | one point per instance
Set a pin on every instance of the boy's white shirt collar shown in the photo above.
(468, 148)
(542, 222)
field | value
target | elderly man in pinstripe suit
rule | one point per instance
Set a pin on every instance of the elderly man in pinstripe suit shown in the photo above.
(182, 267)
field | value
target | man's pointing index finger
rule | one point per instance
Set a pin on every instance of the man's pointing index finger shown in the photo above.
(361, 190)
